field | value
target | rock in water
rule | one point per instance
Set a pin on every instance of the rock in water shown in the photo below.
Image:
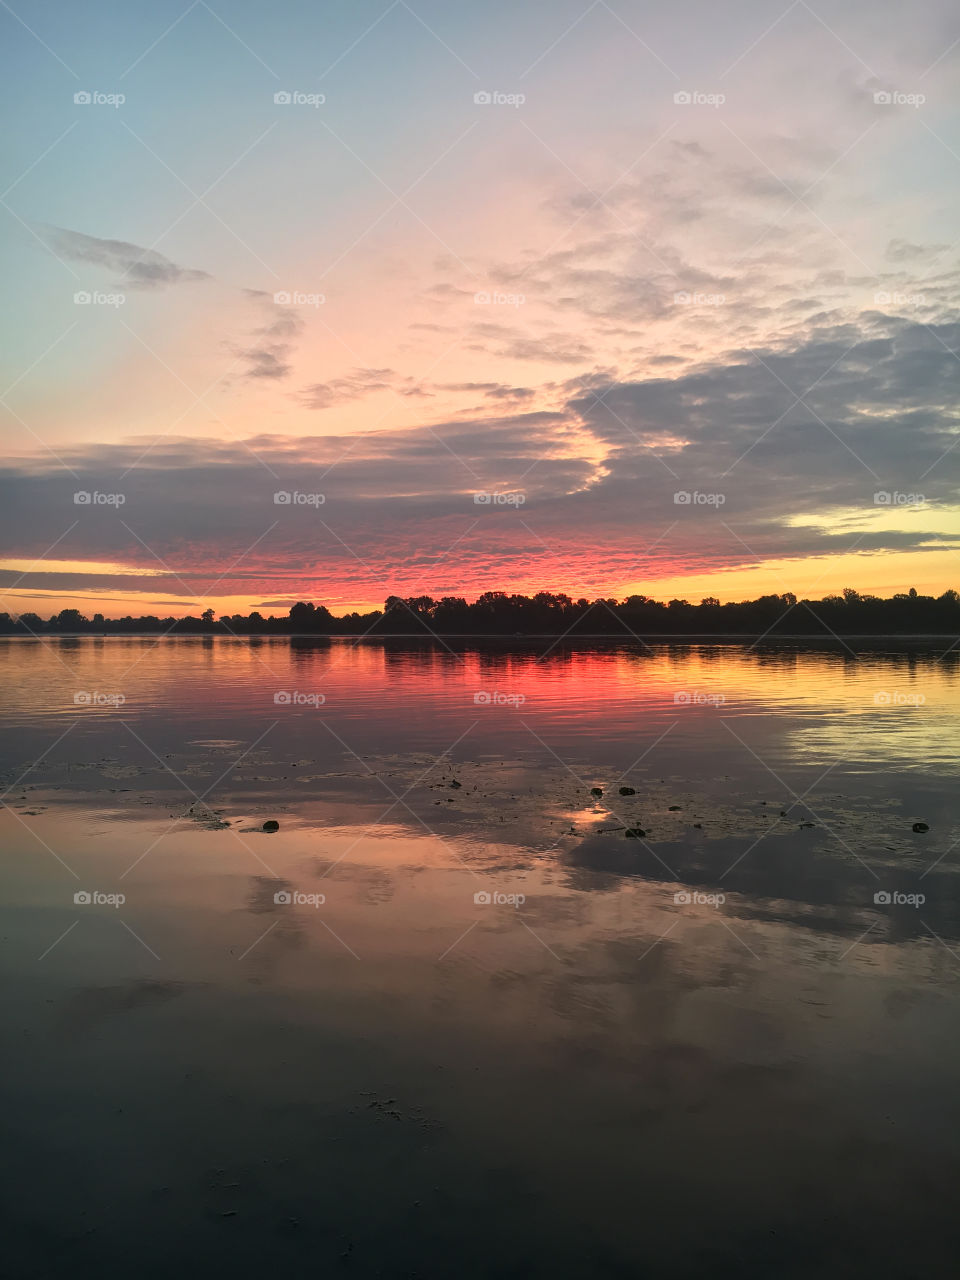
(270, 825)
(596, 791)
(920, 826)
(627, 791)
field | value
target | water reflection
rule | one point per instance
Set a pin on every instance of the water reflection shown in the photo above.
(418, 1006)
(893, 709)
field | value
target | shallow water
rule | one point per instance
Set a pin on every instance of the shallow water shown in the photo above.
(429, 1029)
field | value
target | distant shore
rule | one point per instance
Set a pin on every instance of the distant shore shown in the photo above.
(553, 617)
(865, 639)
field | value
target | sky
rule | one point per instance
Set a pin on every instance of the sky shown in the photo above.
(336, 301)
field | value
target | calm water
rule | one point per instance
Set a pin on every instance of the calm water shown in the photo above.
(459, 1015)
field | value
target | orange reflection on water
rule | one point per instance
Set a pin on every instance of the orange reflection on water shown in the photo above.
(884, 706)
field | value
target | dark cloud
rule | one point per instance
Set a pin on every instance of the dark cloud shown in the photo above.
(356, 385)
(269, 354)
(904, 251)
(797, 440)
(139, 268)
(553, 349)
(491, 390)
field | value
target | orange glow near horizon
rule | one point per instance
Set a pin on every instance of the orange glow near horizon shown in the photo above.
(883, 574)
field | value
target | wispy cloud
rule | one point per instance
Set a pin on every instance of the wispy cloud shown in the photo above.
(138, 268)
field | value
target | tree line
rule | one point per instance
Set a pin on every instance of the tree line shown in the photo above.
(548, 614)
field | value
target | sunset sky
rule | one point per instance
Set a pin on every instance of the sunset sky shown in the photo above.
(580, 257)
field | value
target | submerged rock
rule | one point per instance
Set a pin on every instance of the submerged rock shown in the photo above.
(628, 791)
(270, 825)
(596, 791)
(636, 833)
(920, 826)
